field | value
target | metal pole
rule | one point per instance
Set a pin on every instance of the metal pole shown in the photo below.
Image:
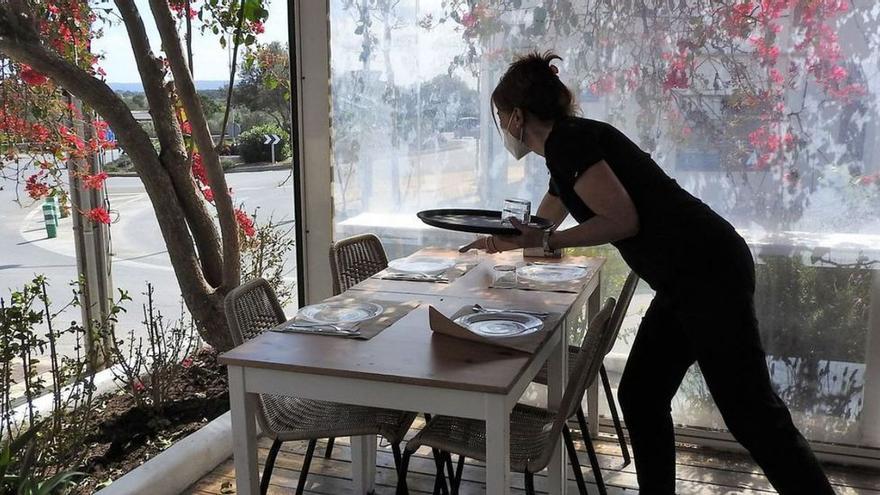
(91, 241)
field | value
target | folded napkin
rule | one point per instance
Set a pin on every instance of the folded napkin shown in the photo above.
(529, 343)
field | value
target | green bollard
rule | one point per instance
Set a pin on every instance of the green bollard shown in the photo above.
(55, 207)
(49, 218)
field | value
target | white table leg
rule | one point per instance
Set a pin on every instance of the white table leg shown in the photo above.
(244, 434)
(497, 446)
(557, 377)
(593, 306)
(363, 463)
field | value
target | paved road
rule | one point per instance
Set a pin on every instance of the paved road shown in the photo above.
(139, 253)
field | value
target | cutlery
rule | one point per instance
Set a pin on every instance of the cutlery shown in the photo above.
(543, 263)
(538, 314)
(321, 328)
(413, 276)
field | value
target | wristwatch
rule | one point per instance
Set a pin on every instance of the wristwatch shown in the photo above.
(546, 241)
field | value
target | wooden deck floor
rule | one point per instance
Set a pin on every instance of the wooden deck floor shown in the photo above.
(700, 471)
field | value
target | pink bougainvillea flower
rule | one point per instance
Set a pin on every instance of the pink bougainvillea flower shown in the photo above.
(245, 223)
(468, 20)
(258, 27)
(99, 215)
(95, 181)
(32, 77)
(198, 169)
(35, 188)
(186, 127)
(187, 362)
(776, 76)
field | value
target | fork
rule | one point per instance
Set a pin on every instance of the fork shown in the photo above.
(538, 314)
(323, 327)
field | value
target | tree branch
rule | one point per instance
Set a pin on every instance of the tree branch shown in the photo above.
(236, 41)
(173, 155)
(24, 46)
(202, 137)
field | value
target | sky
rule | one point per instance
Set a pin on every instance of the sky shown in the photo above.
(416, 55)
(211, 60)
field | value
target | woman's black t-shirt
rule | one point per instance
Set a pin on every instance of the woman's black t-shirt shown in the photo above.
(679, 236)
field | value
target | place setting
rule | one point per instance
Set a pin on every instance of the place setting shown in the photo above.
(426, 268)
(347, 317)
(545, 277)
(513, 328)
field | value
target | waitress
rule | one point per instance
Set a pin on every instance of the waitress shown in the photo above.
(701, 269)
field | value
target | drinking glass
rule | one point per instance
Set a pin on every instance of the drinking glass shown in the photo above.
(504, 276)
(520, 209)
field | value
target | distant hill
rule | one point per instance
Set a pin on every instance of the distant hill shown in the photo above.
(137, 87)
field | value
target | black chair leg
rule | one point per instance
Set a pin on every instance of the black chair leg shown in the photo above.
(303, 474)
(591, 452)
(402, 489)
(329, 452)
(618, 428)
(530, 483)
(449, 468)
(270, 464)
(456, 481)
(440, 478)
(395, 450)
(575, 463)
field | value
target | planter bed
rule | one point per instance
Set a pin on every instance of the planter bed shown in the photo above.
(125, 436)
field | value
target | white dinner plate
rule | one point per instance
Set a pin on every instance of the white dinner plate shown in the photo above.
(341, 312)
(425, 265)
(498, 324)
(551, 273)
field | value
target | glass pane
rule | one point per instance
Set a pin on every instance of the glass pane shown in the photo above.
(767, 113)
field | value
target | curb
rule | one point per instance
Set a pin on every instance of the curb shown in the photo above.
(181, 465)
(230, 170)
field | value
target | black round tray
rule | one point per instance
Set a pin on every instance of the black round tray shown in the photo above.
(475, 221)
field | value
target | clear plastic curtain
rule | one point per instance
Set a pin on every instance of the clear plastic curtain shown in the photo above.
(768, 111)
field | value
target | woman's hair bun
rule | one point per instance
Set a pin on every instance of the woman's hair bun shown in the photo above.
(532, 84)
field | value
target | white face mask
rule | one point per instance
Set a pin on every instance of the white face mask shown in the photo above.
(515, 146)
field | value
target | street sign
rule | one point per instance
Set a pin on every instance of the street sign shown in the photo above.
(272, 139)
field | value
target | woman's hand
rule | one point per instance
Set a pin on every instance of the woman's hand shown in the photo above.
(528, 237)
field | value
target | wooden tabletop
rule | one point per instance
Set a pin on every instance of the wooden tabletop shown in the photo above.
(408, 351)
(474, 283)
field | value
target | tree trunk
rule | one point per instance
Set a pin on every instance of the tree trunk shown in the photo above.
(20, 42)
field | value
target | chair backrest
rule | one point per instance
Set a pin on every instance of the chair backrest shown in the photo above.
(355, 259)
(251, 309)
(589, 359)
(622, 306)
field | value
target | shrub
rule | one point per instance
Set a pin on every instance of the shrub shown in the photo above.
(252, 149)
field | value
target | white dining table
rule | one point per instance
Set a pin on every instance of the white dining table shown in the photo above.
(408, 367)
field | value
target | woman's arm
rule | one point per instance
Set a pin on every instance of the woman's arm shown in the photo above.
(616, 216)
(551, 208)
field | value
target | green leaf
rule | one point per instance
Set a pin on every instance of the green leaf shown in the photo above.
(252, 9)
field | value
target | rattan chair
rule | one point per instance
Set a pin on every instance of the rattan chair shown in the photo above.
(252, 309)
(355, 259)
(616, 322)
(531, 444)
